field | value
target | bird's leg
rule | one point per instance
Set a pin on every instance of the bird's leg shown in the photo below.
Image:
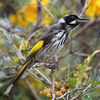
(51, 65)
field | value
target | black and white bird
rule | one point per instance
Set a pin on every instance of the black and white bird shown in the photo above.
(51, 42)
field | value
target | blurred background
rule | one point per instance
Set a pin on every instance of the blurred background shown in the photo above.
(24, 22)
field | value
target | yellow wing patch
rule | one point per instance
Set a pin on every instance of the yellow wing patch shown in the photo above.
(37, 47)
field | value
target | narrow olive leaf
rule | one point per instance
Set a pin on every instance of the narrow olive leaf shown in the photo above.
(95, 52)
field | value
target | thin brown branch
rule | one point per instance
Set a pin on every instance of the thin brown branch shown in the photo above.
(13, 31)
(80, 54)
(87, 89)
(86, 44)
(42, 75)
(89, 5)
(18, 53)
(46, 9)
(64, 55)
(32, 34)
(84, 8)
(86, 27)
(39, 16)
(68, 92)
(34, 76)
(77, 96)
(53, 85)
(95, 76)
(74, 53)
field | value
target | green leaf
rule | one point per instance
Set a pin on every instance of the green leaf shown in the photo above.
(89, 82)
(96, 83)
(71, 75)
(72, 82)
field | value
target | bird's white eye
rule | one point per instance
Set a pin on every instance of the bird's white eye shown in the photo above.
(73, 22)
(61, 20)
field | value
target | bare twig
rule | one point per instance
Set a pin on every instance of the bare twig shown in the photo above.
(10, 29)
(95, 76)
(64, 55)
(18, 53)
(42, 75)
(34, 76)
(32, 34)
(77, 96)
(86, 27)
(46, 10)
(21, 45)
(67, 97)
(81, 54)
(74, 53)
(83, 90)
(89, 4)
(13, 45)
(84, 8)
(53, 85)
(86, 89)
(68, 92)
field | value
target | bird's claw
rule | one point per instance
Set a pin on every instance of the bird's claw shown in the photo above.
(52, 65)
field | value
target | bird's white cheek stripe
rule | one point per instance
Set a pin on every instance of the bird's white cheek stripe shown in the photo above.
(73, 22)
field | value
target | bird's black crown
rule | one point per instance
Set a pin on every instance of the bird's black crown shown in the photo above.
(69, 18)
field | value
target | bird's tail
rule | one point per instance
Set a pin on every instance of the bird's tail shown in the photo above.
(15, 79)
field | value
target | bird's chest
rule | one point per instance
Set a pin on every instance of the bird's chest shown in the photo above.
(51, 49)
(59, 41)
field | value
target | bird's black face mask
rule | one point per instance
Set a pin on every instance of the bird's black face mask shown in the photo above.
(74, 20)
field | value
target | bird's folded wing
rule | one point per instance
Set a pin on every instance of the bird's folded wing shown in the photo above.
(37, 47)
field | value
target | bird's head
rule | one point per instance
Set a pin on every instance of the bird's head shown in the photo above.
(72, 20)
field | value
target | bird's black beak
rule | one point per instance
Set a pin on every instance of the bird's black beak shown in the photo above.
(83, 20)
